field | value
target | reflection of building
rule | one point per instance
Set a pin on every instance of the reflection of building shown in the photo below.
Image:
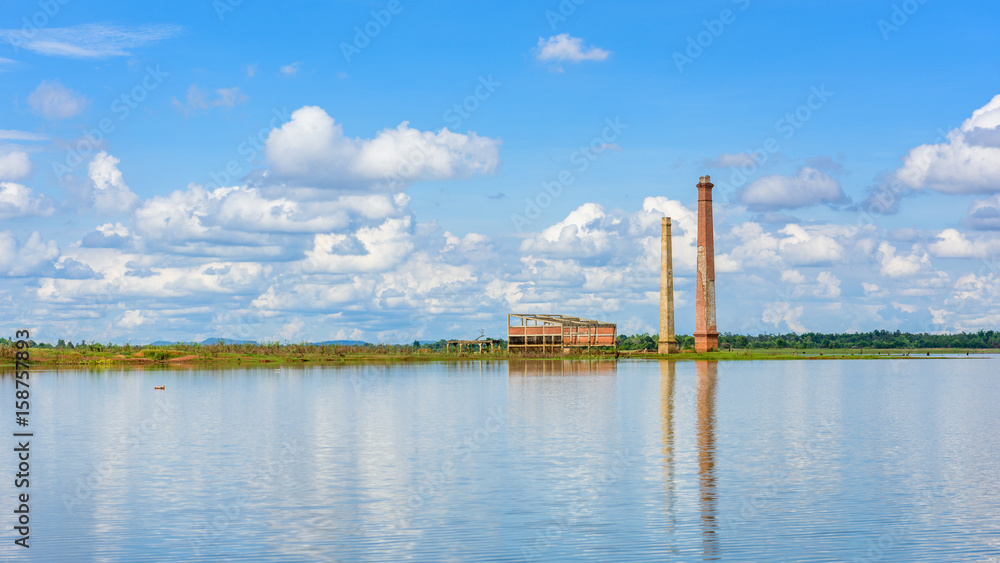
(551, 333)
(561, 367)
(565, 402)
(707, 372)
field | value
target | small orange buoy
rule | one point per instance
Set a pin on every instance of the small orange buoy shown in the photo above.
(161, 387)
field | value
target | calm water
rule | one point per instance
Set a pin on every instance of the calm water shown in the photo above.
(634, 461)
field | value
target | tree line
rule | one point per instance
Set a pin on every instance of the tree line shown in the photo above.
(877, 339)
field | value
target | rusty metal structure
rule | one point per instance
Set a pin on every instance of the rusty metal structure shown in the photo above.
(553, 333)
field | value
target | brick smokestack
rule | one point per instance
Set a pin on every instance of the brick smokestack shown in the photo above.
(706, 335)
(668, 344)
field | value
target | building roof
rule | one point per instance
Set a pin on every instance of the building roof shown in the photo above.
(564, 320)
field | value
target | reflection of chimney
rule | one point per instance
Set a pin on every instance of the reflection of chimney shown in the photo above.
(706, 335)
(667, 376)
(707, 373)
(668, 345)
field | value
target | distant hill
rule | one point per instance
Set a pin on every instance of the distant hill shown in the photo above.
(210, 341)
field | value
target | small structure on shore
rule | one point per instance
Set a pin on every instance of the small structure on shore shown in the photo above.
(461, 345)
(556, 333)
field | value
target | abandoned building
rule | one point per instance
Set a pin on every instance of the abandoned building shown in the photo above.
(554, 333)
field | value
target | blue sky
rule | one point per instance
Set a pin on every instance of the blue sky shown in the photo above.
(392, 171)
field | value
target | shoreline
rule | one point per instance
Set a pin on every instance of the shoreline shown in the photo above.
(187, 358)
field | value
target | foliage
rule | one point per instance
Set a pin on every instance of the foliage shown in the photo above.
(876, 339)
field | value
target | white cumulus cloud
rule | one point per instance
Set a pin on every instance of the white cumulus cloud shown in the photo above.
(984, 214)
(370, 249)
(564, 48)
(808, 187)
(951, 243)
(895, 266)
(312, 148)
(16, 200)
(30, 258)
(54, 101)
(967, 163)
(131, 319)
(110, 193)
(14, 165)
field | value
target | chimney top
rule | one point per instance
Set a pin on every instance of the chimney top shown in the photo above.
(704, 179)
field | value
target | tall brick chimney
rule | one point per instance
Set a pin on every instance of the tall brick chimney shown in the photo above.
(667, 344)
(706, 335)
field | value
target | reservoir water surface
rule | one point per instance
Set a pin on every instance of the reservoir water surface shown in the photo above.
(640, 460)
